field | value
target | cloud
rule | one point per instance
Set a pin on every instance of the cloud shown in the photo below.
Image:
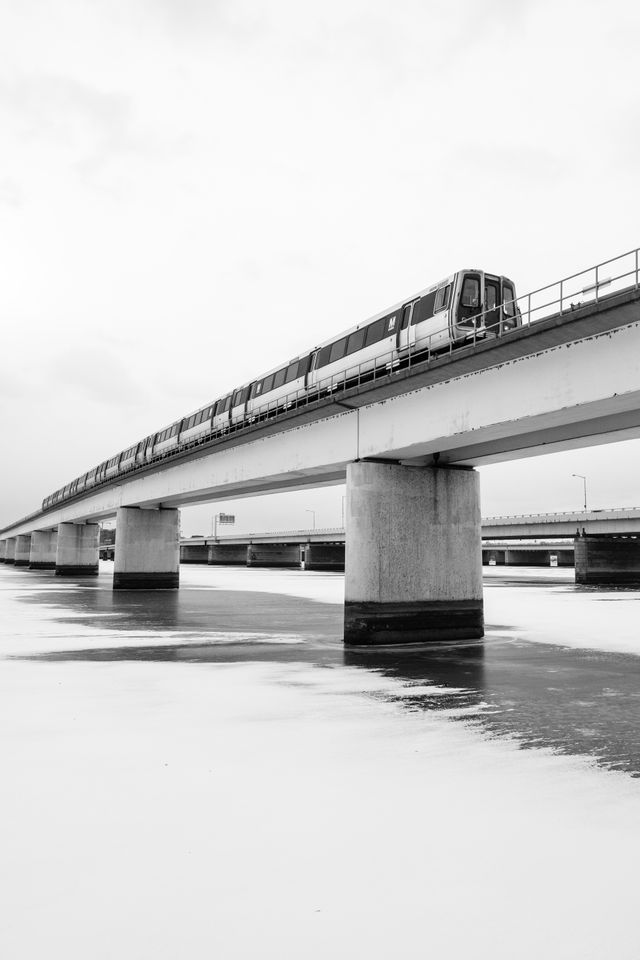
(88, 125)
(11, 194)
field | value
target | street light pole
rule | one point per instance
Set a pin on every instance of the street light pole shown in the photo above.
(314, 517)
(584, 484)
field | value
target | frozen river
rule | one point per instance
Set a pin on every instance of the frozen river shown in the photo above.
(208, 773)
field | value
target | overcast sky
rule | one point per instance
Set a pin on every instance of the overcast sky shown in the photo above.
(192, 192)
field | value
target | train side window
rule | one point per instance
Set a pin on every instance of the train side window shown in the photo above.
(292, 372)
(356, 340)
(278, 378)
(338, 350)
(423, 309)
(305, 365)
(406, 313)
(256, 389)
(175, 429)
(376, 331)
(267, 383)
(323, 356)
(442, 298)
(391, 324)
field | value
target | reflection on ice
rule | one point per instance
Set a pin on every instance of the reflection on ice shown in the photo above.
(540, 694)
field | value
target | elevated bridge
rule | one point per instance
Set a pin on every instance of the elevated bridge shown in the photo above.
(406, 441)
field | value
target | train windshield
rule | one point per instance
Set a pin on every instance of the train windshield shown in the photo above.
(469, 305)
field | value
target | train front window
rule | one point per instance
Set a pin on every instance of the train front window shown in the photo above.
(471, 293)
(469, 305)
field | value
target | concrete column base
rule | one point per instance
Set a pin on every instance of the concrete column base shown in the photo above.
(382, 623)
(77, 550)
(44, 545)
(10, 550)
(147, 549)
(23, 548)
(414, 555)
(607, 561)
(3, 550)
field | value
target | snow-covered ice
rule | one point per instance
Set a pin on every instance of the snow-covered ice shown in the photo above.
(296, 807)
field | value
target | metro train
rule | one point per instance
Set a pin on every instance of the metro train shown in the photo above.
(468, 305)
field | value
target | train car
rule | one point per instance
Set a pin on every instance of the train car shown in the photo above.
(197, 425)
(281, 386)
(127, 458)
(467, 305)
(167, 439)
(112, 467)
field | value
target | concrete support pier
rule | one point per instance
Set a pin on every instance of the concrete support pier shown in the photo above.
(227, 553)
(77, 550)
(606, 561)
(413, 555)
(10, 550)
(3, 550)
(147, 549)
(44, 546)
(23, 549)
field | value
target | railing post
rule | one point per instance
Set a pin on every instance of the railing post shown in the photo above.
(636, 269)
(596, 284)
(561, 294)
(529, 311)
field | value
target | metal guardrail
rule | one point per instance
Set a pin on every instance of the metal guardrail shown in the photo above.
(585, 286)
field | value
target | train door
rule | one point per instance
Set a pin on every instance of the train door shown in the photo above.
(492, 303)
(406, 334)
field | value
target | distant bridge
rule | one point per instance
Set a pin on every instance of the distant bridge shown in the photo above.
(619, 521)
